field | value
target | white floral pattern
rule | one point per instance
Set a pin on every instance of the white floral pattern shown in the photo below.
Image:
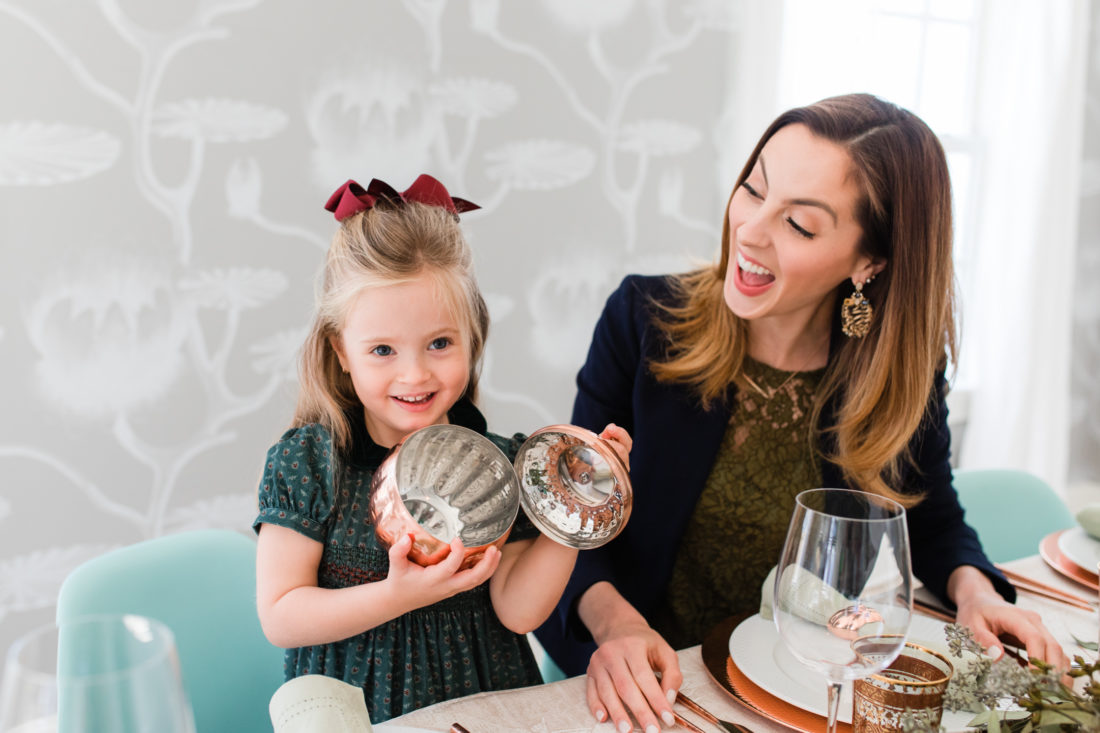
(41, 154)
(109, 338)
(659, 138)
(474, 97)
(30, 581)
(277, 355)
(218, 120)
(539, 164)
(234, 289)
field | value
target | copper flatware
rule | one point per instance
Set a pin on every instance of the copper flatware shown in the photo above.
(933, 611)
(685, 723)
(1026, 584)
(457, 728)
(709, 716)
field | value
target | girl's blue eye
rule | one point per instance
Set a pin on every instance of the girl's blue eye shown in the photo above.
(382, 350)
(440, 343)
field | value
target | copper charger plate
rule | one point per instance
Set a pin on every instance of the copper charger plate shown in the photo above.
(720, 667)
(1053, 556)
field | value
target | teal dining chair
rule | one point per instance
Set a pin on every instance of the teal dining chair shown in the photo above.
(202, 585)
(1011, 510)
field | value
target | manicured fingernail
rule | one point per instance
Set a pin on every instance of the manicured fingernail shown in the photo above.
(995, 652)
(623, 726)
(671, 695)
(652, 729)
(600, 715)
(669, 718)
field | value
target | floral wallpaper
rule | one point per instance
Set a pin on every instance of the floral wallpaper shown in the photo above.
(162, 172)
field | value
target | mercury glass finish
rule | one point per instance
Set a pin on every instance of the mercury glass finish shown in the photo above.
(574, 486)
(442, 482)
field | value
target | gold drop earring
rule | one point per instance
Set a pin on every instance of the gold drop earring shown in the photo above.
(856, 312)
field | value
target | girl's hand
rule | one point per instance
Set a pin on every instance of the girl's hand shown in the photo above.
(620, 441)
(419, 586)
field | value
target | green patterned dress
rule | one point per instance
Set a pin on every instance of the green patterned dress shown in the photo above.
(736, 532)
(453, 648)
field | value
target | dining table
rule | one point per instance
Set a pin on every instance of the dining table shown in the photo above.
(561, 707)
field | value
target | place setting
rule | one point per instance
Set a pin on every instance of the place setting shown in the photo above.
(836, 644)
(1074, 553)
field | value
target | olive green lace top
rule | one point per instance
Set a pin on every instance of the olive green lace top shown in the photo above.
(736, 532)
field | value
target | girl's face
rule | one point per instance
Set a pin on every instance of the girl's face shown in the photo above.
(407, 357)
(793, 232)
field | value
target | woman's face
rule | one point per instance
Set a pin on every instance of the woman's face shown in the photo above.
(793, 233)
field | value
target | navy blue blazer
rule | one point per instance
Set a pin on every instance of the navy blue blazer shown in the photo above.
(675, 445)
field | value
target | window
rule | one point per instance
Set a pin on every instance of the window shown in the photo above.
(920, 54)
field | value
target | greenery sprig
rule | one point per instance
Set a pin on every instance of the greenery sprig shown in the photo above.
(982, 686)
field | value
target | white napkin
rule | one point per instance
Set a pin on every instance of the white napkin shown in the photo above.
(816, 601)
(811, 599)
(316, 703)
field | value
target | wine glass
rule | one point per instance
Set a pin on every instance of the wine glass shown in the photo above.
(843, 585)
(95, 673)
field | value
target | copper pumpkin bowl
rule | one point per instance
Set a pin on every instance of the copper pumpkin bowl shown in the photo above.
(442, 482)
(446, 481)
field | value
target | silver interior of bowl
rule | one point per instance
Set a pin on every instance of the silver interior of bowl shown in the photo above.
(569, 490)
(456, 483)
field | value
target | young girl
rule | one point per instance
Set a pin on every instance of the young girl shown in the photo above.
(394, 347)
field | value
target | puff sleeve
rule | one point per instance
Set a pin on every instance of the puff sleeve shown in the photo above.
(296, 490)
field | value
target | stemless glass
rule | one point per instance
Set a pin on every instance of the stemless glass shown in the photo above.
(97, 673)
(844, 579)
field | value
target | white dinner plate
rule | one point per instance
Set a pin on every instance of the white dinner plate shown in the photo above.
(757, 650)
(391, 728)
(1080, 549)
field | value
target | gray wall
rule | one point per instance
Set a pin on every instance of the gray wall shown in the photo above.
(163, 168)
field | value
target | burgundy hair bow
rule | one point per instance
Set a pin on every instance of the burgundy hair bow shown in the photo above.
(351, 198)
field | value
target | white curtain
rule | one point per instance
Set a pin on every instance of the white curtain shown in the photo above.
(1018, 321)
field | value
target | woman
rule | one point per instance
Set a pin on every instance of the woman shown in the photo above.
(812, 354)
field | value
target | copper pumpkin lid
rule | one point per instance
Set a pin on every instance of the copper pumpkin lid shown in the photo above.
(573, 486)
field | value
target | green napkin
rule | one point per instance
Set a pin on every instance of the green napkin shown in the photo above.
(1089, 519)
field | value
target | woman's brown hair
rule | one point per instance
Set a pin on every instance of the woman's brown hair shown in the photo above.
(385, 245)
(879, 384)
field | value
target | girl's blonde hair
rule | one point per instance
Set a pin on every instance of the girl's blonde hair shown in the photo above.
(384, 245)
(879, 384)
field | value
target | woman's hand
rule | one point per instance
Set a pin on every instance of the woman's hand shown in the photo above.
(620, 441)
(623, 672)
(988, 615)
(419, 586)
(633, 669)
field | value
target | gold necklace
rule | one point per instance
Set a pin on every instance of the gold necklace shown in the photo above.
(775, 390)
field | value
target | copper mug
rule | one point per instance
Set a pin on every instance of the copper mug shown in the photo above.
(446, 481)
